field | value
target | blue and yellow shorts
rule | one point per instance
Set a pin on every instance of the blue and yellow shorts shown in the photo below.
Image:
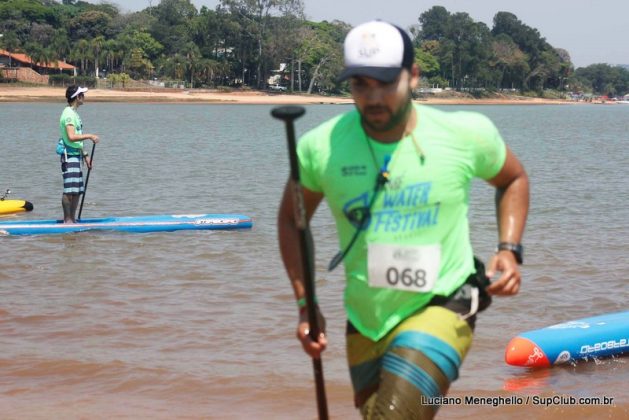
(397, 376)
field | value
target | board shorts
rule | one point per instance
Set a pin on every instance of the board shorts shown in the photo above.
(397, 376)
(72, 174)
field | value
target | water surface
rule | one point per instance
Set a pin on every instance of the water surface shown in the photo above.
(201, 324)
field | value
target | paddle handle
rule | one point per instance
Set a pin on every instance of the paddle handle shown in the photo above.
(289, 114)
(87, 179)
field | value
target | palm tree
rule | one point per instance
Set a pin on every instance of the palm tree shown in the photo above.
(207, 69)
(11, 44)
(174, 67)
(111, 54)
(97, 47)
(191, 51)
(47, 57)
(60, 45)
(82, 53)
(33, 50)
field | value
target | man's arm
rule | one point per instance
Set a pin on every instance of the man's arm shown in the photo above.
(288, 234)
(512, 204)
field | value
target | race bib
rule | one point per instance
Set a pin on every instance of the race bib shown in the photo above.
(412, 268)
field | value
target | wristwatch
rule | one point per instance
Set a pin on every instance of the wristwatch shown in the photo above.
(517, 250)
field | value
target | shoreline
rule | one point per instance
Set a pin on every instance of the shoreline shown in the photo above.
(9, 94)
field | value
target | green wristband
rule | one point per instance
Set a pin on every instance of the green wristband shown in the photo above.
(301, 303)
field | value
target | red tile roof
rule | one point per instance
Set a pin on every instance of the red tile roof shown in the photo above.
(23, 58)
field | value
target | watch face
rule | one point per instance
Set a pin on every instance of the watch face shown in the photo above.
(517, 250)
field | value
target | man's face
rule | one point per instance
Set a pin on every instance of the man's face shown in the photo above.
(383, 105)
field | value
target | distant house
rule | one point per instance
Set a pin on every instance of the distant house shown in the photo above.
(21, 67)
(278, 75)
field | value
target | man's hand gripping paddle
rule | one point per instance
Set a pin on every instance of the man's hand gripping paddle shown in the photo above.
(289, 114)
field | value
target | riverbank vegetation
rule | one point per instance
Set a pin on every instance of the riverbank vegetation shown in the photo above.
(266, 44)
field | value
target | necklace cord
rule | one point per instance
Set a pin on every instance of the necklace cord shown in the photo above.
(381, 179)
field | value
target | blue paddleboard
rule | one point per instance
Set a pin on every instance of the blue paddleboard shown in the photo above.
(598, 336)
(158, 223)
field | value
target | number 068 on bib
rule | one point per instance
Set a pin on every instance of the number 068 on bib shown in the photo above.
(412, 268)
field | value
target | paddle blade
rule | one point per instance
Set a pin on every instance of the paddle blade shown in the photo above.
(288, 113)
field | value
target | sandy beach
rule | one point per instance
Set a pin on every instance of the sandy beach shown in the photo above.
(54, 94)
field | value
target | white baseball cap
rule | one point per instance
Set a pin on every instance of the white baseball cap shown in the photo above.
(378, 50)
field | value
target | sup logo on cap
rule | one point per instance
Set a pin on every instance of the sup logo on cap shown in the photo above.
(378, 50)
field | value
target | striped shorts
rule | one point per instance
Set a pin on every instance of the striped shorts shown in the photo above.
(397, 376)
(72, 174)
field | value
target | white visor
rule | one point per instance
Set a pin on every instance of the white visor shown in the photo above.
(79, 91)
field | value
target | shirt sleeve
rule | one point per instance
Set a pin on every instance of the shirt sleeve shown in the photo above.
(488, 149)
(309, 173)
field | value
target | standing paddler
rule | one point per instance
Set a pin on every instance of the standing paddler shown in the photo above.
(70, 147)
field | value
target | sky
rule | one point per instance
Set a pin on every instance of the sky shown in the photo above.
(592, 31)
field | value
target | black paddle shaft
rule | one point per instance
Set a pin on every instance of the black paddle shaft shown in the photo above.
(87, 179)
(289, 114)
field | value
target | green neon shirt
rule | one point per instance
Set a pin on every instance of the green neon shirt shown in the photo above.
(422, 204)
(70, 117)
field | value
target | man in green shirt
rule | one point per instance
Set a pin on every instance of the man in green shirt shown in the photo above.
(396, 177)
(72, 153)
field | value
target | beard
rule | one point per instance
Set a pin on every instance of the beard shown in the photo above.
(395, 118)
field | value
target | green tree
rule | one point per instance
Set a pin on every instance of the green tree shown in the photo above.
(509, 61)
(42, 33)
(547, 66)
(321, 53)
(11, 43)
(147, 43)
(40, 56)
(174, 67)
(542, 59)
(35, 52)
(83, 54)
(208, 71)
(258, 14)
(192, 55)
(136, 50)
(28, 10)
(60, 44)
(605, 79)
(173, 23)
(428, 64)
(139, 65)
(175, 12)
(97, 45)
(113, 54)
(90, 24)
(463, 48)
(119, 78)
(435, 24)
